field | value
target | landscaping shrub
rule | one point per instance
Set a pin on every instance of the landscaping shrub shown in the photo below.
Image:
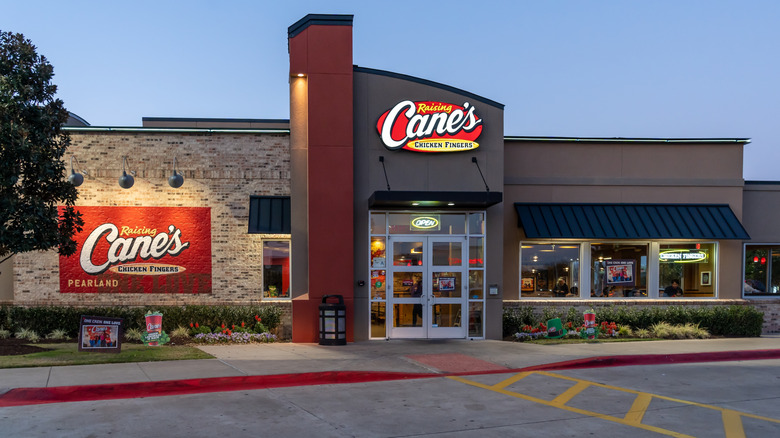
(517, 317)
(716, 320)
(47, 319)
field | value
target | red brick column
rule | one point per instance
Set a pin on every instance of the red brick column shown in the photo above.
(321, 161)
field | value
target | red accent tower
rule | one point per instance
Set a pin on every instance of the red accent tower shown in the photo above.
(321, 162)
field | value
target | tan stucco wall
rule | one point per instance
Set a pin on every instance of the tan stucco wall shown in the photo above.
(762, 208)
(623, 172)
(410, 171)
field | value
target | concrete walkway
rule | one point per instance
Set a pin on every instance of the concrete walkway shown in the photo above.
(396, 356)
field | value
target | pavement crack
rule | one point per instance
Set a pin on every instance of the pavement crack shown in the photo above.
(234, 367)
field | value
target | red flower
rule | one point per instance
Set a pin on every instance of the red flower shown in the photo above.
(223, 325)
(197, 325)
(242, 323)
(192, 325)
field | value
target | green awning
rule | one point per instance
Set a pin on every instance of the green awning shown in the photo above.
(629, 221)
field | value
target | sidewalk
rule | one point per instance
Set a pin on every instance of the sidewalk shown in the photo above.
(401, 357)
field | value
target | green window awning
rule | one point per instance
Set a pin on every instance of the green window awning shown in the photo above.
(629, 221)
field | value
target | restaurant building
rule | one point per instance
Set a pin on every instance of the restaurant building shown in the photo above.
(405, 197)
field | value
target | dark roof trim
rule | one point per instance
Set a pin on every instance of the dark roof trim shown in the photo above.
(629, 221)
(629, 140)
(318, 19)
(174, 130)
(75, 120)
(426, 82)
(433, 200)
(212, 120)
(762, 183)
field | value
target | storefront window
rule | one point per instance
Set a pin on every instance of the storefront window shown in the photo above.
(550, 270)
(762, 271)
(477, 223)
(378, 223)
(476, 252)
(618, 270)
(276, 269)
(690, 265)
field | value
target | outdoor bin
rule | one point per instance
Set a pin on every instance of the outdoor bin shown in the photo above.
(333, 321)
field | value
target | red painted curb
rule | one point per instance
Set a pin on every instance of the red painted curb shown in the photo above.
(62, 394)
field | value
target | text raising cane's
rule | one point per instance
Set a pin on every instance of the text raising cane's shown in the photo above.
(140, 250)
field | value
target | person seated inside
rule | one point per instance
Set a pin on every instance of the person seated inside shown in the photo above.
(560, 289)
(674, 290)
(573, 292)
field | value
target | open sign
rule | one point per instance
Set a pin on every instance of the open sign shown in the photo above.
(425, 222)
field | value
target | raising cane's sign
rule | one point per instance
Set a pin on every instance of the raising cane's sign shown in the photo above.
(430, 127)
(140, 250)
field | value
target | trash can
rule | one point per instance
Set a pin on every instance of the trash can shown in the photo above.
(333, 321)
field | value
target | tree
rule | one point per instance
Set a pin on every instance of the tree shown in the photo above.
(32, 145)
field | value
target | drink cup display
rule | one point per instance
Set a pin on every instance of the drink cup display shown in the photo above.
(590, 324)
(154, 327)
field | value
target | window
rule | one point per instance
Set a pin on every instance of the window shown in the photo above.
(690, 265)
(276, 269)
(269, 214)
(550, 270)
(618, 270)
(762, 271)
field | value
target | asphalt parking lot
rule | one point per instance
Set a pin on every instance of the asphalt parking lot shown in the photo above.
(736, 398)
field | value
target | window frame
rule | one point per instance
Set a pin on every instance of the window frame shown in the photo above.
(289, 268)
(768, 279)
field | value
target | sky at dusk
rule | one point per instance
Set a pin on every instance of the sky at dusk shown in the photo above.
(573, 68)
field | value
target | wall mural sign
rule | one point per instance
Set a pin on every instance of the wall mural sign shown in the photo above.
(140, 250)
(430, 126)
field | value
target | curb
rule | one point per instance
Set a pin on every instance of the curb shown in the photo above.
(110, 391)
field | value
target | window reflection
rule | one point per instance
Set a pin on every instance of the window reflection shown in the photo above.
(550, 270)
(618, 270)
(690, 265)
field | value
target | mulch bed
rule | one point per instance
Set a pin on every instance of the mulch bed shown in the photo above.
(15, 347)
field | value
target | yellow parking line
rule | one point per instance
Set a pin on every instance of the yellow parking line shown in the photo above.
(732, 420)
(570, 393)
(569, 408)
(662, 397)
(511, 380)
(732, 424)
(638, 408)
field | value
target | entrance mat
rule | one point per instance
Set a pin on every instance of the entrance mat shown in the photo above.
(455, 363)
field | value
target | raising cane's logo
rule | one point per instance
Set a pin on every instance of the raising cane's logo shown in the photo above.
(430, 127)
(127, 249)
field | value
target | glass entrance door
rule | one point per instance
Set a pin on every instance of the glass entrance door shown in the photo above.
(427, 281)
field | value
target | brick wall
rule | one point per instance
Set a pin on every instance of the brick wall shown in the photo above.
(771, 308)
(221, 171)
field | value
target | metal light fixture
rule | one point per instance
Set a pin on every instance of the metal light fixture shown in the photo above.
(177, 179)
(126, 181)
(75, 178)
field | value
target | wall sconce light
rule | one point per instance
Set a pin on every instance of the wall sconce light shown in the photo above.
(176, 180)
(75, 178)
(126, 181)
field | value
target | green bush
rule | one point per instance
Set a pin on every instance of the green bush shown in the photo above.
(47, 319)
(717, 320)
(514, 318)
